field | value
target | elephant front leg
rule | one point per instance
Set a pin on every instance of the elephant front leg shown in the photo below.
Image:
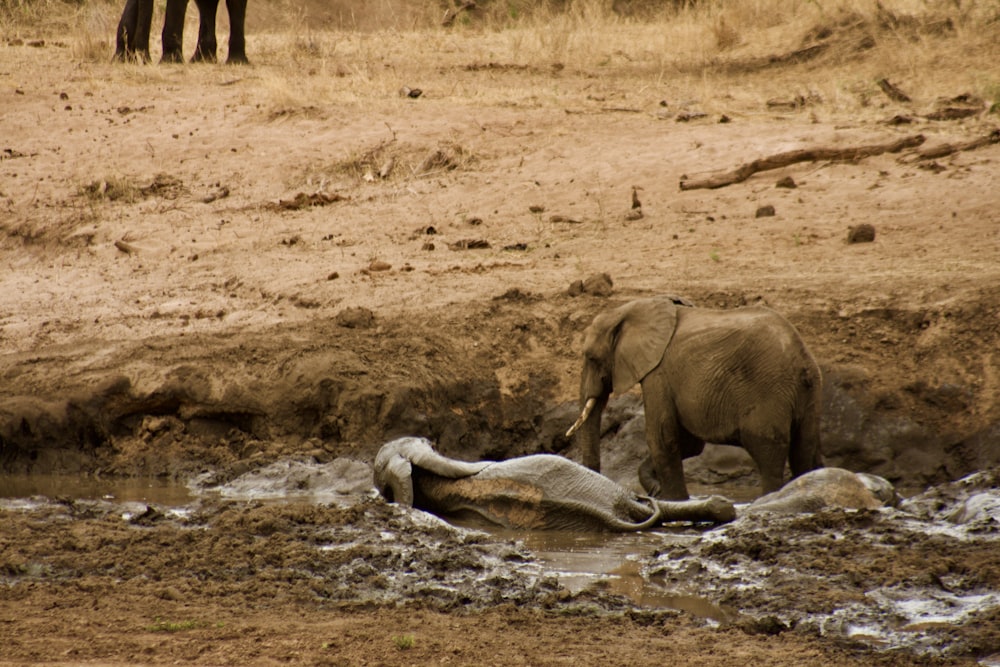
(173, 32)
(664, 438)
(237, 36)
(132, 36)
(144, 22)
(666, 457)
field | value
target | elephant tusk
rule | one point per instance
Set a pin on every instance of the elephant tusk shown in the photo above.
(587, 409)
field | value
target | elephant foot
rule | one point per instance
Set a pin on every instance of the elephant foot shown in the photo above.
(237, 59)
(172, 57)
(204, 54)
(127, 56)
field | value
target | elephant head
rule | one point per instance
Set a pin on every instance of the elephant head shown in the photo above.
(621, 347)
(396, 460)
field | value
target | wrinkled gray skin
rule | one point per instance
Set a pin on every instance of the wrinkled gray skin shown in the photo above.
(827, 487)
(132, 37)
(736, 377)
(540, 492)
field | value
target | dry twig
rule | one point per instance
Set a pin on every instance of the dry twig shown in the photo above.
(944, 150)
(745, 171)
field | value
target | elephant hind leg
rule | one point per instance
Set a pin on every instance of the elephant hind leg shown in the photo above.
(804, 453)
(769, 453)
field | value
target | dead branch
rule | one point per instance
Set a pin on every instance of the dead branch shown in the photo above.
(943, 150)
(780, 160)
(126, 247)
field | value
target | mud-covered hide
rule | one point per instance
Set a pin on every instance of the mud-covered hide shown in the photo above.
(540, 492)
(827, 487)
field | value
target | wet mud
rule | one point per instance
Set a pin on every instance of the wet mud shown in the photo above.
(920, 581)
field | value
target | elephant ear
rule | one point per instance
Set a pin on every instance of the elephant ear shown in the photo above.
(646, 328)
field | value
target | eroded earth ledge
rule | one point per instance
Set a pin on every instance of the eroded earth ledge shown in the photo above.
(170, 405)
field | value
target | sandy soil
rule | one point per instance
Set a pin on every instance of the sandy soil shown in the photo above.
(169, 304)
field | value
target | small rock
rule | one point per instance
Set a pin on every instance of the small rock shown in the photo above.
(386, 169)
(599, 284)
(355, 318)
(863, 233)
(765, 211)
(470, 244)
(767, 625)
(786, 182)
(148, 517)
(688, 116)
(378, 265)
(170, 593)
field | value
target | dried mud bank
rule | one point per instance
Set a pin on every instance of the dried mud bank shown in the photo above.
(171, 405)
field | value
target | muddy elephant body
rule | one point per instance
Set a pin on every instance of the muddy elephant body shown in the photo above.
(540, 492)
(737, 377)
(132, 39)
(827, 488)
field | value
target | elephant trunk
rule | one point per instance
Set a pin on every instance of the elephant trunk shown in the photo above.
(713, 509)
(588, 431)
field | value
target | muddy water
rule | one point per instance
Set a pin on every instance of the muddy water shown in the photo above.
(609, 561)
(578, 560)
(144, 490)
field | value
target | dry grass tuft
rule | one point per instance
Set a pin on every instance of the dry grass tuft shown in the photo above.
(726, 54)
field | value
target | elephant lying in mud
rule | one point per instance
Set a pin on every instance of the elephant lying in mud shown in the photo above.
(826, 488)
(734, 377)
(132, 37)
(540, 492)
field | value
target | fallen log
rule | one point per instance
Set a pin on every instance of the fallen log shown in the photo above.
(850, 154)
(944, 150)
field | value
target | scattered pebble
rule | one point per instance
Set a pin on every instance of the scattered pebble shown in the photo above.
(863, 233)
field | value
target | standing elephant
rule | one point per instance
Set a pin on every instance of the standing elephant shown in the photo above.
(132, 40)
(737, 377)
(540, 492)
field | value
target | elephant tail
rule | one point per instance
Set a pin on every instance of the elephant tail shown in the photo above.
(805, 453)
